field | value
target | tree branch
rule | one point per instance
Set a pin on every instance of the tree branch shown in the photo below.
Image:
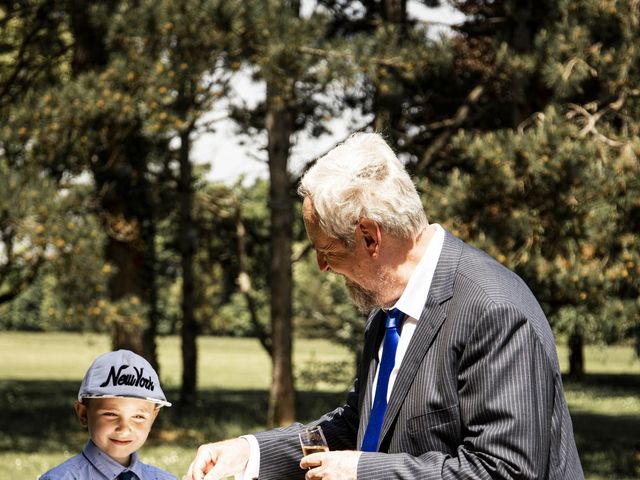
(568, 68)
(453, 123)
(589, 120)
(24, 284)
(319, 52)
(244, 282)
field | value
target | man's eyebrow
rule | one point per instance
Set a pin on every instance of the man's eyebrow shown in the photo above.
(324, 246)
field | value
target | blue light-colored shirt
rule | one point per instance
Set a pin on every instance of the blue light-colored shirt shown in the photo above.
(94, 464)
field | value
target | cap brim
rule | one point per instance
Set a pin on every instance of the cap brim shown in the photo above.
(162, 403)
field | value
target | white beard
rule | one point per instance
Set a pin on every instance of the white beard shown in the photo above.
(364, 300)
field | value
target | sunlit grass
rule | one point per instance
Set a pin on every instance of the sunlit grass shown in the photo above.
(40, 375)
(604, 359)
(222, 362)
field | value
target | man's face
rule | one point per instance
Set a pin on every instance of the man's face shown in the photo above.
(331, 253)
(354, 264)
(118, 426)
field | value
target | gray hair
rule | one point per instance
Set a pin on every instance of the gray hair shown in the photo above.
(363, 178)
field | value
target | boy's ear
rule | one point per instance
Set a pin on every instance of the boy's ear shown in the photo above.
(156, 411)
(81, 412)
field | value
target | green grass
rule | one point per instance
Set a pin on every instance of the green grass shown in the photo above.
(40, 375)
(222, 362)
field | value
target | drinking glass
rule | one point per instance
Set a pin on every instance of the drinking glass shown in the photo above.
(312, 441)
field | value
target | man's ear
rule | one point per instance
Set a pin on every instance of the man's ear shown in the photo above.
(370, 232)
(81, 412)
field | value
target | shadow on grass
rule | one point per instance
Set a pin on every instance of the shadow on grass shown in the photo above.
(37, 416)
(609, 444)
(611, 381)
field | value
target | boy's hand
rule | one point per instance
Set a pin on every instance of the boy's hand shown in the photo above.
(220, 459)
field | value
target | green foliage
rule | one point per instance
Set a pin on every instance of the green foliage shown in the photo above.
(556, 208)
(298, 61)
(26, 224)
(315, 374)
(541, 169)
(149, 72)
(322, 307)
(34, 48)
(51, 237)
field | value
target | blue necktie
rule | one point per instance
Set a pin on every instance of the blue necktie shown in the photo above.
(126, 475)
(391, 337)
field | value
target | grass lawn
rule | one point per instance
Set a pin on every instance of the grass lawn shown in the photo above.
(40, 376)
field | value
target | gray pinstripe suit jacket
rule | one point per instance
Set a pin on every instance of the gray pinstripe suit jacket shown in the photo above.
(478, 395)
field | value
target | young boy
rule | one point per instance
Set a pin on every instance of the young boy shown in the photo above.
(119, 398)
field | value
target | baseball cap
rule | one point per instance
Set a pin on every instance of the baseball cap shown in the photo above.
(122, 373)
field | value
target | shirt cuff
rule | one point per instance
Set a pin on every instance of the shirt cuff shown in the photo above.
(252, 470)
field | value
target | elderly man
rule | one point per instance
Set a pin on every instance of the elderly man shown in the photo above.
(459, 377)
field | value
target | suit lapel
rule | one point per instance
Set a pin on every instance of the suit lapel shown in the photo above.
(431, 318)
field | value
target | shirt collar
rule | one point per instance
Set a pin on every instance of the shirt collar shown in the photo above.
(107, 465)
(136, 465)
(415, 294)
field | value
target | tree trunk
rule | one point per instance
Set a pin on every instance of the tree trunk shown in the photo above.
(244, 282)
(522, 106)
(89, 49)
(388, 105)
(123, 195)
(576, 355)
(150, 289)
(395, 11)
(187, 241)
(279, 125)
(126, 282)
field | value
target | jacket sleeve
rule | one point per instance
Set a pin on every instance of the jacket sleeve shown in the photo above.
(280, 450)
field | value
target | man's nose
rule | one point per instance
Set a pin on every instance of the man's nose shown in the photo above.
(322, 262)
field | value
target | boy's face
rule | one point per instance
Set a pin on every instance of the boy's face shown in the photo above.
(118, 426)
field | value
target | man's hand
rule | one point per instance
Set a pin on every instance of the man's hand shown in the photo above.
(339, 465)
(218, 460)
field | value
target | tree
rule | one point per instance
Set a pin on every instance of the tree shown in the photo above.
(138, 76)
(551, 188)
(553, 207)
(25, 31)
(48, 227)
(295, 79)
(511, 66)
(192, 50)
(102, 134)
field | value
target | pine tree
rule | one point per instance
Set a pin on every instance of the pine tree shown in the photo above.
(282, 48)
(545, 173)
(47, 224)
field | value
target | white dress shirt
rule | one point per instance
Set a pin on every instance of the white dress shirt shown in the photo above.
(411, 303)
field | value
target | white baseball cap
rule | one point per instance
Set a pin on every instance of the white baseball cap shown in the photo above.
(122, 374)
